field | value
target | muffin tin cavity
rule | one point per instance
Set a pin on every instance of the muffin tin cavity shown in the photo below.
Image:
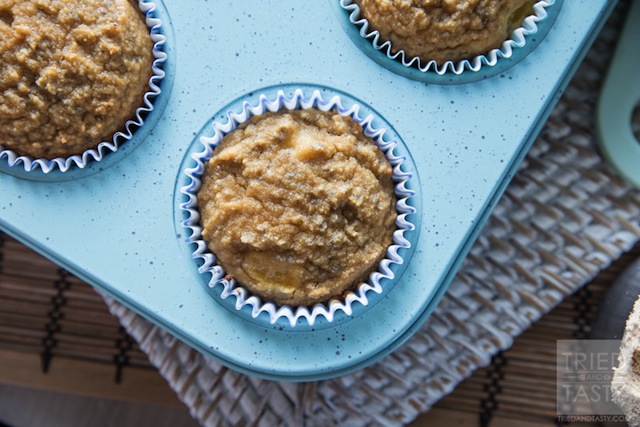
(522, 42)
(237, 299)
(134, 131)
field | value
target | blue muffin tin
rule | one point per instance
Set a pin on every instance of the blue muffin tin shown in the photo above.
(116, 224)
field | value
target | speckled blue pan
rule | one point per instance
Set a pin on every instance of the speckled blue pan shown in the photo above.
(120, 228)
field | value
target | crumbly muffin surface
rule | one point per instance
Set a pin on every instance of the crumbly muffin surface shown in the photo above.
(73, 72)
(444, 30)
(298, 206)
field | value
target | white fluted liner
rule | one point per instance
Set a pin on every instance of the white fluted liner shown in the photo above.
(337, 306)
(517, 40)
(97, 153)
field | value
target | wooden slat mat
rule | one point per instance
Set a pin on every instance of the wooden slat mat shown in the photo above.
(56, 333)
(49, 316)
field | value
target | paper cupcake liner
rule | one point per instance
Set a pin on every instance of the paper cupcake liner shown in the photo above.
(228, 287)
(517, 40)
(97, 153)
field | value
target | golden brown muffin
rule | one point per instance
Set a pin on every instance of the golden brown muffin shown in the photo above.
(73, 72)
(445, 30)
(298, 206)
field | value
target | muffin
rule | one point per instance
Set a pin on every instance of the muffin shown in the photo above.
(445, 30)
(298, 206)
(73, 73)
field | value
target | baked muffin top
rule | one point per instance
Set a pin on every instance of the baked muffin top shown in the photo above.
(298, 206)
(445, 30)
(73, 72)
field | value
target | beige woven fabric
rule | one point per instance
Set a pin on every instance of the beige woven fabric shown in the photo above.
(565, 217)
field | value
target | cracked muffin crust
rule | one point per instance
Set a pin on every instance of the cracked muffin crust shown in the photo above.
(445, 30)
(298, 206)
(73, 72)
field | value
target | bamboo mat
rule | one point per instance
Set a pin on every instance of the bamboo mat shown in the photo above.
(58, 329)
(56, 333)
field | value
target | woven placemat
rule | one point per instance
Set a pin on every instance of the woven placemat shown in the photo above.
(564, 218)
(519, 385)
